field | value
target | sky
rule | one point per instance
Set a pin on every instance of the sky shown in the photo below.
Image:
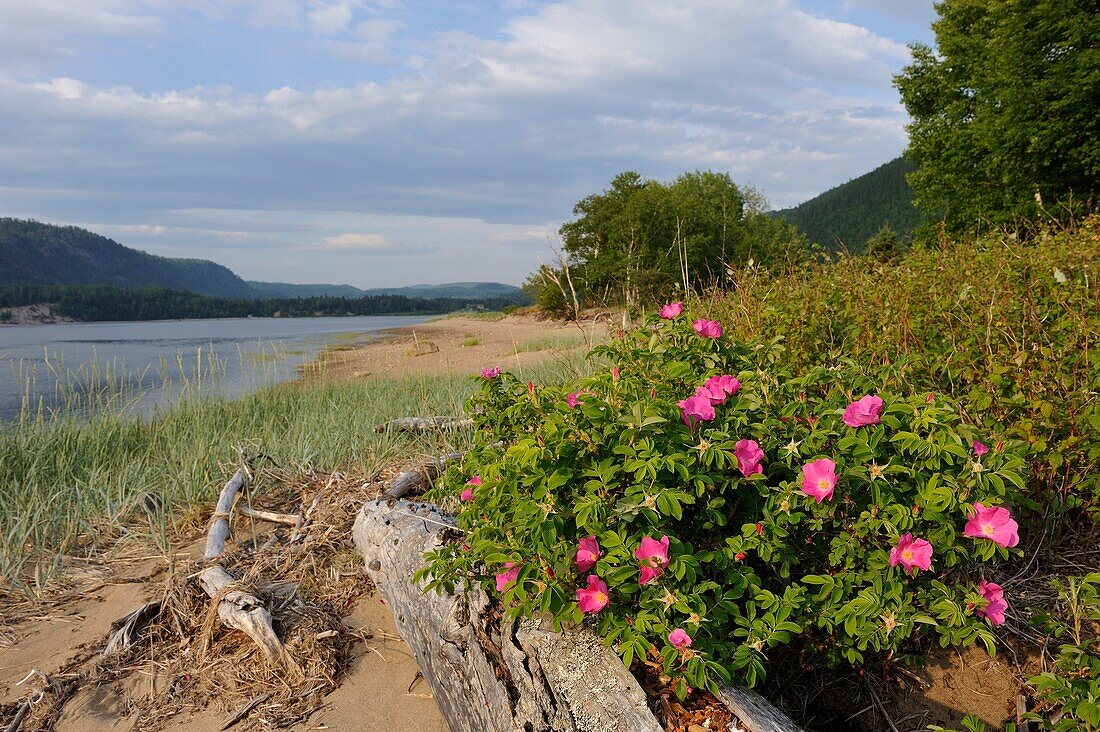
(393, 142)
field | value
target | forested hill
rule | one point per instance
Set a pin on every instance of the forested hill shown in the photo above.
(33, 253)
(848, 215)
(37, 254)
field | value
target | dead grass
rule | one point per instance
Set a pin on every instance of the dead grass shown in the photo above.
(309, 581)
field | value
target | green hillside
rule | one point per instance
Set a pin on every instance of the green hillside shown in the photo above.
(848, 215)
(33, 253)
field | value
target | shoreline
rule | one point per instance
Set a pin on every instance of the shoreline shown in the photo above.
(452, 345)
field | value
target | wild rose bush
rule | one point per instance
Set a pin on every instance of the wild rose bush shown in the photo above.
(698, 504)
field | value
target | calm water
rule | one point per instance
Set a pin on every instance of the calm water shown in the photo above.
(143, 365)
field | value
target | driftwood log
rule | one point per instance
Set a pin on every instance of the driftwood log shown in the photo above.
(425, 424)
(412, 480)
(490, 676)
(236, 608)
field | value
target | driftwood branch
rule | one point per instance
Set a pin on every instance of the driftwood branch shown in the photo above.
(489, 675)
(425, 424)
(125, 630)
(236, 608)
(290, 519)
(412, 480)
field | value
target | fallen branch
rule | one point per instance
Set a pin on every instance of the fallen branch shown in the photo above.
(425, 424)
(243, 711)
(236, 608)
(290, 519)
(32, 698)
(412, 480)
(417, 478)
(494, 675)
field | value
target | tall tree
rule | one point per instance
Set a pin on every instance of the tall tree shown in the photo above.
(1004, 110)
(640, 239)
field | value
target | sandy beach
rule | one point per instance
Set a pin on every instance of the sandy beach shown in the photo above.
(457, 345)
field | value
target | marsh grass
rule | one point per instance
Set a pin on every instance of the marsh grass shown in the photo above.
(552, 343)
(77, 482)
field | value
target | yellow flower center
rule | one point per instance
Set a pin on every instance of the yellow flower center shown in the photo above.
(601, 598)
(823, 484)
(988, 529)
(907, 555)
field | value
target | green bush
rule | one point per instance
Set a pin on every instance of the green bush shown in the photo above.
(754, 560)
(1010, 330)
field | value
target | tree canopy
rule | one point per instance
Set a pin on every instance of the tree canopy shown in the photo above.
(641, 239)
(1004, 110)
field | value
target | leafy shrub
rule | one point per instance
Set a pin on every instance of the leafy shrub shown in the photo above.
(1073, 688)
(1010, 330)
(706, 527)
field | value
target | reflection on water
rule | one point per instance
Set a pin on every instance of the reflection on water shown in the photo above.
(140, 367)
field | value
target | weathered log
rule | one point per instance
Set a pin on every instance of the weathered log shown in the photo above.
(290, 519)
(488, 675)
(425, 424)
(411, 480)
(417, 478)
(756, 713)
(236, 608)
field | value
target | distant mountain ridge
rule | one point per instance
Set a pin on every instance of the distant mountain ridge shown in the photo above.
(34, 253)
(465, 290)
(848, 215)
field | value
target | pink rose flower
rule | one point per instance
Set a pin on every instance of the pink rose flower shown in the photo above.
(866, 411)
(654, 558)
(749, 456)
(708, 328)
(490, 373)
(679, 638)
(696, 409)
(993, 523)
(594, 598)
(508, 577)
(980, 448)
(587, 553)
(672, 310)
(819, 479)
(573, 399)
(615, 374)
(912, 554)
(994, 611)
(468, 493)
(717, 388)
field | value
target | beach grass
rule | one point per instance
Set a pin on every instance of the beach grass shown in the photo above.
(565, 342)
(75, 483)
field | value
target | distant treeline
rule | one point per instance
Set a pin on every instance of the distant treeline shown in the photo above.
(103, 302)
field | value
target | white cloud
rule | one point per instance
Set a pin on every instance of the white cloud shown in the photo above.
(356, 241)
(502, 132)
(330, 19)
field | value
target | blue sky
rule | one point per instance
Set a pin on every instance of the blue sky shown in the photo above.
(379, 142)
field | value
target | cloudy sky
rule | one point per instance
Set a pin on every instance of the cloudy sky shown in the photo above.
(379, 142)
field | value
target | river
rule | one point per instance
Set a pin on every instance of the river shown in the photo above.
(143, 365)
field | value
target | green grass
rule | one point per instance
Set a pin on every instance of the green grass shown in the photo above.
(75, 485)
(487, 315)
(551, 343)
